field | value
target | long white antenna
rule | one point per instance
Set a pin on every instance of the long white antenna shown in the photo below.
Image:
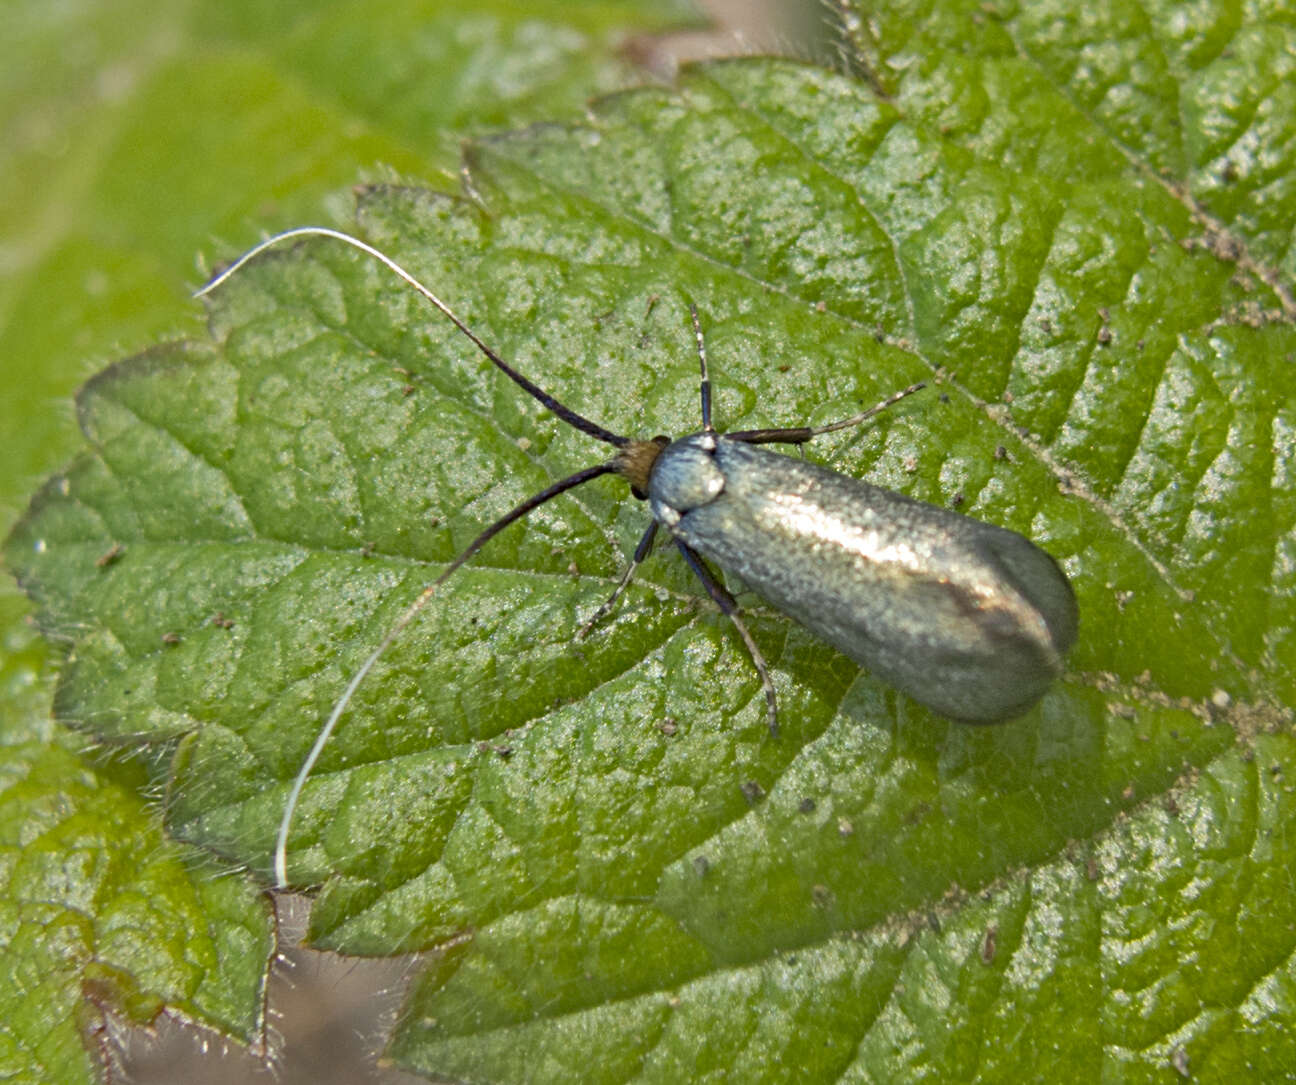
(321, 740)
(407, 616)
(337, 235)
(572, 418)
(564, 412)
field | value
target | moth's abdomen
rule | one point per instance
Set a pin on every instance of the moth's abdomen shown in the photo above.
(967, 618)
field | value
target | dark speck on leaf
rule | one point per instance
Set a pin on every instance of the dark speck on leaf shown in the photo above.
(111, 556)
(989, 944)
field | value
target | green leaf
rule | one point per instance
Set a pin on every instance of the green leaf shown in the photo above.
(132, 135)
(620, 874)
(138, 131)
(100, 915)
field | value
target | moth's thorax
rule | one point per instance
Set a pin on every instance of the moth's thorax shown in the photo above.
(686, 476)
